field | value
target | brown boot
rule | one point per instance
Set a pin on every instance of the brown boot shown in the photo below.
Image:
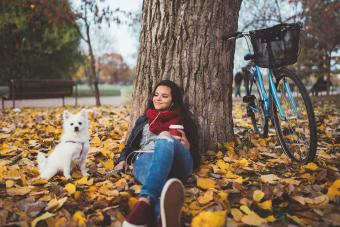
(139, 216)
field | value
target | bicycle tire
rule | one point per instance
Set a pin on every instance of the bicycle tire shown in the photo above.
(259, 121)
(289, 136)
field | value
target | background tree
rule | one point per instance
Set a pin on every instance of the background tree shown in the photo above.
(182, 41)
(91, 15)
(32, 45)
(322, 22)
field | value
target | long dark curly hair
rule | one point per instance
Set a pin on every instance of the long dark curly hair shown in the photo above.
(190, 127)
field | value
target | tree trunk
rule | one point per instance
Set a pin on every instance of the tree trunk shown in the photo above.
(182, 41)
(94, 79)
(328, 58)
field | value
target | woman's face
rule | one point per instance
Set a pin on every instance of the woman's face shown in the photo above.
(162, 98)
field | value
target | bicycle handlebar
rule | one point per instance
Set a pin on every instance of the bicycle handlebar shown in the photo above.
(234, 35)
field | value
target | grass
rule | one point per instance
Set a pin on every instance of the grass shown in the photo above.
(86, 91)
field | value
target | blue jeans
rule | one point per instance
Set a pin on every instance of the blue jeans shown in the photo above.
(169, 160)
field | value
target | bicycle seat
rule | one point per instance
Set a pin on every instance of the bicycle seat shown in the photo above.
(249, 57)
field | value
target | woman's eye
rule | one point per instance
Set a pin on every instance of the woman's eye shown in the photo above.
(80, 123)
(71, 124)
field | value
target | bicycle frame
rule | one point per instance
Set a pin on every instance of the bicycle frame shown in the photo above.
(257, 76)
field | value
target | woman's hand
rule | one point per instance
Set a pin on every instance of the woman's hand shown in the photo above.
(183, 139)
(121, 166)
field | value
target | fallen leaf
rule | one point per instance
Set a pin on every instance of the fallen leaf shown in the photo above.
(206, 198)
(258, 195)
(79, 217)
(270, 178)
(209, 219)
(18, 191)
(206, 183)
(70, 188)
(46, 215)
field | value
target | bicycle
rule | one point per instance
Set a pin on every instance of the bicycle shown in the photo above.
(286, 101)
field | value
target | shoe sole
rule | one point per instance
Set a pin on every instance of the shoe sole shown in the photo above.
(172, 199)
(127, 224)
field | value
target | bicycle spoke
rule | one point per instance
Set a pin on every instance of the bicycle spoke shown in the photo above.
(295, 125)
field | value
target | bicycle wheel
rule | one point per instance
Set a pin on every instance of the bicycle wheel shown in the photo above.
(297, 128)
(255, 110)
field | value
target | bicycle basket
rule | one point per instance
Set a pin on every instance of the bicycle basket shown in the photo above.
(276, 46)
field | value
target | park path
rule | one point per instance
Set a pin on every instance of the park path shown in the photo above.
(82, 101)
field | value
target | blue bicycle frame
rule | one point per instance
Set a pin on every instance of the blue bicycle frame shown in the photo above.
(257, 76)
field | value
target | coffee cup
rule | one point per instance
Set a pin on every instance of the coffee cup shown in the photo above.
(173, 129)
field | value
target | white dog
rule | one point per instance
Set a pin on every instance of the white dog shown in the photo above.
(72, 149)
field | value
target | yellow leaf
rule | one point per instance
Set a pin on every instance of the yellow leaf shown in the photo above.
(223, 195)
(205, 183)
(132, 201)
(291, 181)
(270, 218)
(9, 183)
(270, 178)
(108, 164)
(296, 219)
(39, 182)
(108, 192)
(237, 214)
(219, 154)
(60, 222)
(222, 165)
(136, 188)
(266, 205)
(41, 217)
(243, 162)
(82, 181)
(311, 166)
(334, 190)
(121, 147)
(51, 204)
(70, 188)
(239, 180)
(207, 197)
(253, 219)
(79, 217)
(209, 219)
(13, 174)
(121, 183)
(245, 209)
(18, 191)
(96, 141)
(56, 204)
(258, 195)
(77, 195)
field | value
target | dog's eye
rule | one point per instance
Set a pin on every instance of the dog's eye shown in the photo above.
(71, 124)
(80, 123)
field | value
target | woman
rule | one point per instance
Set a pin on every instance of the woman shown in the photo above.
(159, 156)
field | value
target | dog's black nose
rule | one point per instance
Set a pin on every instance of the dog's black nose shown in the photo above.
(76, 129)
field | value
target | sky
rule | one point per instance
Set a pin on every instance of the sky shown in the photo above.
(116, 38)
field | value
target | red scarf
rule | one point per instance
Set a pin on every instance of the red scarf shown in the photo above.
(160, 121)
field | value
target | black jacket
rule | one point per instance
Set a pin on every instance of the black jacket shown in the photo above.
(133, 142)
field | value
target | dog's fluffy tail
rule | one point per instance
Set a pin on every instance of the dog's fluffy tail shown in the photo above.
(42, 160)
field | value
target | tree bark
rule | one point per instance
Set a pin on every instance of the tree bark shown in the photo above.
(182, 41)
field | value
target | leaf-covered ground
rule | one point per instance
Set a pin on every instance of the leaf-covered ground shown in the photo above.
(247, 182)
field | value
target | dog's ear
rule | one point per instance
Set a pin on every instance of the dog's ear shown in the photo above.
(84, 113)
(66, 114)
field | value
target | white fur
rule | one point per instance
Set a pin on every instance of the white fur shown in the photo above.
(67, 153)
